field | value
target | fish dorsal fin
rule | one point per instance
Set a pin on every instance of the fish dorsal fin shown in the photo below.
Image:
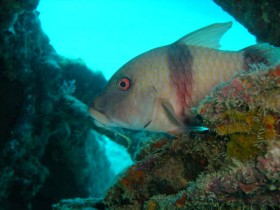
(208, 36)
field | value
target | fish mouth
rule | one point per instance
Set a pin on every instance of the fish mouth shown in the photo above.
(101, 119)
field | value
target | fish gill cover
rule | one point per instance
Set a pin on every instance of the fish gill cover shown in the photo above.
(49, 150)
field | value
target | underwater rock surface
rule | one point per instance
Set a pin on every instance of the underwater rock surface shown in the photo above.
(261, 18)
(47, 134)
(235, 166)
(48, 150)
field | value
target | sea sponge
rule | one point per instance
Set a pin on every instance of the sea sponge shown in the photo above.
(246, 110)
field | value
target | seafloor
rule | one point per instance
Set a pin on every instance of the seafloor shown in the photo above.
(47, 133)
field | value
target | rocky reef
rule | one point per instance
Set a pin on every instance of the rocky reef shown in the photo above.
(50, 151)
(234, 166)
(46, 132)
(261, 18)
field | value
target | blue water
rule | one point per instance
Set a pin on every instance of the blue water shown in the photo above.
(106, 34)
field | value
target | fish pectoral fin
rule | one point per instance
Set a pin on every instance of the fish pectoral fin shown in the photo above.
(170, 113)
(208, 36)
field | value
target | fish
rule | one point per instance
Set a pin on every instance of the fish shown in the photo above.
(156, 90)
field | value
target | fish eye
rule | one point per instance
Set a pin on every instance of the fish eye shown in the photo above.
(124, 84)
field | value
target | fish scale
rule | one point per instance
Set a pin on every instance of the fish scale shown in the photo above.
(212, 67)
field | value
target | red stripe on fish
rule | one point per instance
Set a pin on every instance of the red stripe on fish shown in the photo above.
(180, 64)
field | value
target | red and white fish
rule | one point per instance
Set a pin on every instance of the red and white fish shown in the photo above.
(156, 90)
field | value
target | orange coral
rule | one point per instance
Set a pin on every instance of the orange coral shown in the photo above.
(243, 146)
(134, 176)
(276, 72)
(236, 122)
(180, 203)
(245, 130)
(246, 110)
(270, 123)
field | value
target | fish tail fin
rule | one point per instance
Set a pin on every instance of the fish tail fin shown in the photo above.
(260, 55)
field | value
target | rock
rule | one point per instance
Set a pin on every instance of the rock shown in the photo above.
(261, 18)
(48, 143)
(48, 148)
(235, 165)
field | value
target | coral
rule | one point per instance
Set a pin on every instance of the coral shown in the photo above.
(85, 91)
(163, 166)
(247, 114)
(269, 164)
(48, 145)
(23, 141)
(253, 184)
(10, 11)
(259, 17)
(234, 166)
(47, 139)
(243, 146)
